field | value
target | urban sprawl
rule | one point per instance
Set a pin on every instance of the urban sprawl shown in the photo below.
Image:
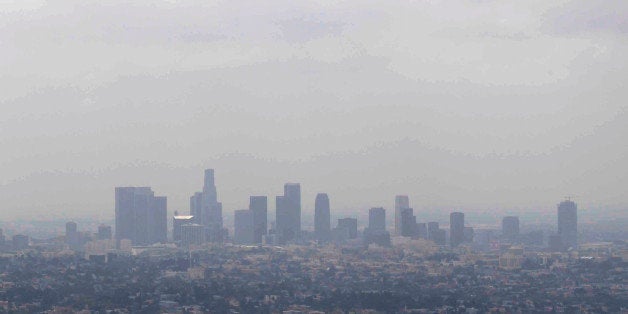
(144, 264)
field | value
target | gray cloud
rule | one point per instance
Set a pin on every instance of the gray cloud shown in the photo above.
(580, 16)
(455, 103)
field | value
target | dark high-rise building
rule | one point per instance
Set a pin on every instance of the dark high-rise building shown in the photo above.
(140, 216)
(292, 194)
(258, 205)
(243, 227)
(401, 201)
(350, 226)
(282, 220)
(206, 209)
(288, 213)
(104, 232)
(322, 218)
(377, 218)
(2, 239)
(74, 239)
(196, 203)
(456, 228)
(177, 223)
(376, 230)
(436, 234)
(408, 222)
(568, 224)
(421, 230)
(510, 227)
(432, 228)
(158, 220)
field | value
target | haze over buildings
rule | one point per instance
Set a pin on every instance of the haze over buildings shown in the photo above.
(425, 144)
(459, 104)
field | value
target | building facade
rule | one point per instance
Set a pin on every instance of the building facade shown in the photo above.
(177, 222)
(377, 218)
(104, 232)
(258, 205)
(192, 234)
(322, 218)
(408, 223)
(140, 215)
(510, 227)
(401, 202)
(243, 227)
(288, 213)
(568, 224)
(206, 209)
(350, 226)
(456, 229)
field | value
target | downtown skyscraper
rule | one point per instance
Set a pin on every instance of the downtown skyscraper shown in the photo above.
(401, 202)
(376, 230)
(568, 224)
(456, 228)
(206, 209)
(322, 218)
(288, 213)
(258, 205)
(377, 219)
(140, 215)
(408, 222)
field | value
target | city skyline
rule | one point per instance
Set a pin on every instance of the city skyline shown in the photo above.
(140, 218)
(309, 157)
(520, 211)
(401, 203)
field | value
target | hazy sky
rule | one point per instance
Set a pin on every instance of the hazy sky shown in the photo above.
(459, 104)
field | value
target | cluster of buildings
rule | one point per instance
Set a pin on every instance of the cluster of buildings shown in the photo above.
(17, 242)
(418, 267)
(141, 219)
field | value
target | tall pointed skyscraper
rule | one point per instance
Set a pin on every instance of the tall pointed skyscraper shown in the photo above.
(206, 209)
